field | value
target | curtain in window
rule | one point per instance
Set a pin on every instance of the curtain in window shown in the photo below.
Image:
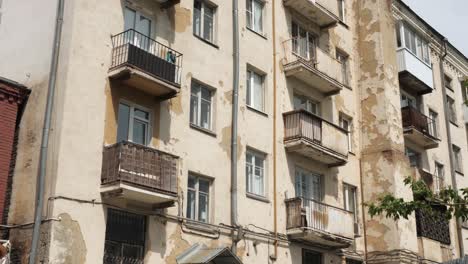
(197, 18)
(255, 176)
(208, 23)
(258, 15)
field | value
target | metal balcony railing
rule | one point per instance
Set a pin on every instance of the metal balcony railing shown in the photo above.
(412, 117)
(134, 49)
(308, 213)
(301, 124)
(433, 225)
(141, 166)
(434, 182)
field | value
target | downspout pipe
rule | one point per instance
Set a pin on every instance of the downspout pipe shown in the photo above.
(275, 202)
(45, 133)
(234, 121)
(449, 143)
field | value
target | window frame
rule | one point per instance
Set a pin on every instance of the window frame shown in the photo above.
(458, 160)
(196, 190)
(199, 100)
(439, 175)
(203, 6)
(131, 120)
(311, 39)
(252, 14)
(434, 128)
(412, 34)
(342, 10)
(343, 58)
(448, 82)
(345, 118)
(309, 103)
(249, 176)
(346, 190)
(250, 95)
(452, 111)
(417, 155)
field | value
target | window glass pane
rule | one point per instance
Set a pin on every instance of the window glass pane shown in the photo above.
(249, 13)
(191, 182)
(129, 17)
(208, 23)
(258, 91)
(191, 204)
(258, 15)
(413, 42)
(139, 132)
(205, 116)
(203, 207)
(206, 94)
(197, 18)
(398, 34)
(123, 123)
(204, 186)
(141, 114)
(194, 109)
(249, 88)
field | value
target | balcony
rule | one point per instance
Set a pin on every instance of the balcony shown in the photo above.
(133, 172)
(145, 64)
(320, 71)
(322, 12)
(315, 138)
(419, 128)
(433, 225)
(318, 223)
(413, 73)
(434, 182)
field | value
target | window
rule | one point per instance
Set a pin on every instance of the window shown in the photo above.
(438, 177)
(407, 100)
(140, 23)
(413, 156)
(448, 82)
(308, 185)
(458, 158)
(464, 91)
(200, 106)
(303, 42)
(343, 59)
(311, 257)
(342, 10)
(255, 90)
(133, 124)
(198, 198)
(406, 37)
(203, 20)
(255, 171)
(433, 123)
(301, 102)
(122, 246)
(451, 110)
(255, 15)
(350, 199)
(347, 124)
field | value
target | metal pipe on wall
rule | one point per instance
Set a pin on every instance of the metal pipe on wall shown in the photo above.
(235, 103)
(449, 142)
(45, 133)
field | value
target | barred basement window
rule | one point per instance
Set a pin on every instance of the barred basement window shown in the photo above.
(125, 238)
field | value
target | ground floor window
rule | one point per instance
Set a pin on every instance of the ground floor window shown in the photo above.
(125, 238)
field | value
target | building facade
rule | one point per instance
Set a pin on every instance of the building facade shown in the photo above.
(338, 102)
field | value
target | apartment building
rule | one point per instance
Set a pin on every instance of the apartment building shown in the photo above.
(338, 102)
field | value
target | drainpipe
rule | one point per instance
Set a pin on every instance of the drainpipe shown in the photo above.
(45, 132)
(449, 143)
(275, 203)
(235, 104)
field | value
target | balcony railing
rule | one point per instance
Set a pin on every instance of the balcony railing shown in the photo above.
(412, 118)
(134, 49)
(434, 182)
(316, 131)
(433, 225)
(140, 166)
(307, 213)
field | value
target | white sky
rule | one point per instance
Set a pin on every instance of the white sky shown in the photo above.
(448, 17)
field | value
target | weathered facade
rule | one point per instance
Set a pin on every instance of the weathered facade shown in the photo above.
(335, 109)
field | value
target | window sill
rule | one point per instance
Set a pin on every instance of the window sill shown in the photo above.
(206, 41)
(203, 130)
(454, 123)
(257, 33)
(200, 227)
(257, 111)
(257, 197)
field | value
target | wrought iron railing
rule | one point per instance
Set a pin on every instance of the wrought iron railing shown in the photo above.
(134, 49)
(113, 259)
(301, 124)
(433, 225)
(308, 213)
(141, 166)
(411, 117)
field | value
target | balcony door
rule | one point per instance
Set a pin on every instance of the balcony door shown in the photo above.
(408, 100)
(142, 25)
(303, 42)
(309, 188)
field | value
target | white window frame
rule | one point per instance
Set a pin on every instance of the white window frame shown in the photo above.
(132, 117)
(250, 172)
(251, 15)
(250, 91)
(311, 39)
(197, 192)
(198, 95)
(309, 103)
(344, 118)
(424, 53)
(347, 188)
(205, 5)
(457, 158)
